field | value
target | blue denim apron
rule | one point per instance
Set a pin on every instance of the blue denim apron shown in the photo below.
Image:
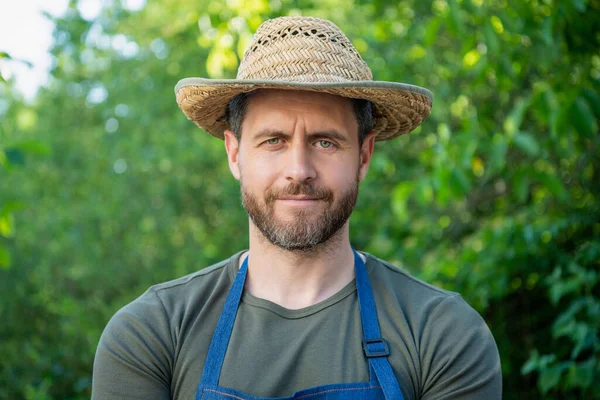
(382, 383)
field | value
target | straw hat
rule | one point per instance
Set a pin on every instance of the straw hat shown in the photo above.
(303, 53)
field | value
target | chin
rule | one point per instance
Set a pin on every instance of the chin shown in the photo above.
(295, 215)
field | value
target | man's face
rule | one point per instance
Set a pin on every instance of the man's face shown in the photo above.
(299, 165)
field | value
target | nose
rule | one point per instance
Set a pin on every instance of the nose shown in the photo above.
(299, 165)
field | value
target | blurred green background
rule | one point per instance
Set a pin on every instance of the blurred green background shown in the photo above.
(106, 188)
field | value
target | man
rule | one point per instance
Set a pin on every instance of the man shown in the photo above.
(300, 314)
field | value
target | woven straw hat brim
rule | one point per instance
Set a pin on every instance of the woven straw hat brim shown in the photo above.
(398, 108)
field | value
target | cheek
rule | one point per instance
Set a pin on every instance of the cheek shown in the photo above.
(257, 173)
(341, 173)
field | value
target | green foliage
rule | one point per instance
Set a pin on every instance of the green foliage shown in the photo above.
(573, 366)
(106, 188)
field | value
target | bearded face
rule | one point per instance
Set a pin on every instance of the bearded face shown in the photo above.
(300, 228)
(299, 161)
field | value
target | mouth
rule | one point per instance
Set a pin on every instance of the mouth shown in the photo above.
(300, 198)
(299, 201)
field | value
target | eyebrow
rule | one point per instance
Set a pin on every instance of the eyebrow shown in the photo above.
(330, 134)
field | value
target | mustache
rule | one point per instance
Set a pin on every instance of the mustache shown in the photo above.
(296, 189)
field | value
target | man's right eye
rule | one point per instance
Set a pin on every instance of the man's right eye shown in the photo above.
(273, 141)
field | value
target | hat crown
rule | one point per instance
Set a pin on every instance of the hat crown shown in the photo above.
(302, 49)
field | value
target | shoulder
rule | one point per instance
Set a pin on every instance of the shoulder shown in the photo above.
(394, 281)
(430, 309)
(197, 278)
(456, 342)
(197, 284)
(139, 343)
(162, 306)
(449, 336)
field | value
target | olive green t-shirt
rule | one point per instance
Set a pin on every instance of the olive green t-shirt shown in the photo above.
(154, 347)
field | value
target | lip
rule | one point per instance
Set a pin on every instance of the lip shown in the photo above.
(299, 201)
(298, 198)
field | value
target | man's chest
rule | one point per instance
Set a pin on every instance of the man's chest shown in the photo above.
(270, 355)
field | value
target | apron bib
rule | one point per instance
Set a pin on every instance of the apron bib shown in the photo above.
(382, 384)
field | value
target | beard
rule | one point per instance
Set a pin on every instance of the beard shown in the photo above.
(306, 230)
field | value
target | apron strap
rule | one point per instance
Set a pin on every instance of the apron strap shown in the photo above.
(222, 334)
(375, 348)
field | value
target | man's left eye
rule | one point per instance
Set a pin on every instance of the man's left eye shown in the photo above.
(326, 144)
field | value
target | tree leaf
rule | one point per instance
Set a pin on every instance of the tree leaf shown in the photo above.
(527, 143)
(582, 118)
(491, 39)
(580, 5)
(400, 199)
(5, 260)
(431, 32)
(531, 364)
(499, 149)
(593, 100)
(554, 184)
(460, 182)
(558, 120)
(456, 21)
(7, 225)
(547, 26)
(515, 118)
(32, 147)
(14, 156)
(580, 375)
(9, 207)
(521, 186)
(549, 378)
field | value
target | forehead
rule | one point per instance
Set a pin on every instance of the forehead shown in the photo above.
(287, 107)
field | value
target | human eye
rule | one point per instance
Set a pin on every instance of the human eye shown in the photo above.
(273, 141)
(325, 144)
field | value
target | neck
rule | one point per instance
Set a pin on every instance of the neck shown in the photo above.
(298, 279)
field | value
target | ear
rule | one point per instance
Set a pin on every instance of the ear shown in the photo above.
(232, 146)
(366, 152)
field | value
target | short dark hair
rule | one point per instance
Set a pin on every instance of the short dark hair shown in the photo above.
(237, 107)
